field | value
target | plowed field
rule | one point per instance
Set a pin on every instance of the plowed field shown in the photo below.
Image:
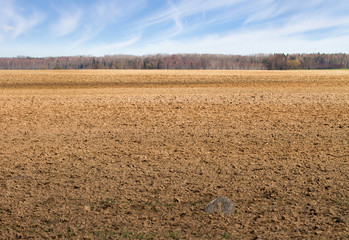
(139, 154)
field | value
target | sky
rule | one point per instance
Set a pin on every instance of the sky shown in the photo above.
(42, 28)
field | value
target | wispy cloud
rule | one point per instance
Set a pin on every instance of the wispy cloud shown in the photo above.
(273, 26)
(184, 9)
(67, 23)
(7, 28)
(177, 18)
(242, 15)
(15, 21)
(138, 27)
(105, 14)
(263, 41)
(107, 48)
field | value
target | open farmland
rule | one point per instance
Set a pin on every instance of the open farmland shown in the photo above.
(139, 154)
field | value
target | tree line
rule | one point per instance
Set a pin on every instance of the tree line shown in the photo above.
(183, 61)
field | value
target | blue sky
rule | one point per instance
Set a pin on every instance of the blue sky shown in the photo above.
(42, 28)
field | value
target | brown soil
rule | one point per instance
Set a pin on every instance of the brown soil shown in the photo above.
(139, 154)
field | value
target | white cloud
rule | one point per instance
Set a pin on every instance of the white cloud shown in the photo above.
(181, 26)
(273, 40)
(264, 10)
(67, 23)
(103, 14)
(7, 28)
(110, 48)
(177, 15)
(15, 21)
(23, 24)
(184, 9)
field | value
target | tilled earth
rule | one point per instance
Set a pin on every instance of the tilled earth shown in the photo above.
(128, 162)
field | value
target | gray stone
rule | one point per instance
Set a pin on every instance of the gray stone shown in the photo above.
(221, 204)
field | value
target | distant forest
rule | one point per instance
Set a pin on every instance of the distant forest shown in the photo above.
(184, 61)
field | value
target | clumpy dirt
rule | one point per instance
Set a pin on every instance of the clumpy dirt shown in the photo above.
(126, 162)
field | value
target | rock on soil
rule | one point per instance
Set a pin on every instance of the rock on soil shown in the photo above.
(221, 204)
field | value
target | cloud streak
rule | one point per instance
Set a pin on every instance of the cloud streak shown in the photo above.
(7, 28)
(178, 26)
(67, 23)
(111, 47)
(17, 21)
